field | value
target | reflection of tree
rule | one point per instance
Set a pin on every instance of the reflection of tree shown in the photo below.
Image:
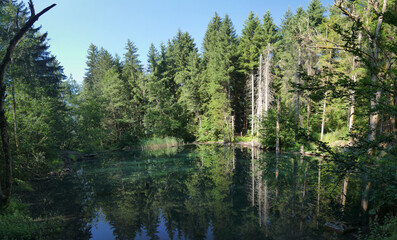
(235, 193)
(67, 200)
(286, 196)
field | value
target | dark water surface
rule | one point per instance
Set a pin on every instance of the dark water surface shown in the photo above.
(204, 192)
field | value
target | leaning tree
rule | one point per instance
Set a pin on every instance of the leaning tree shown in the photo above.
(6, 188)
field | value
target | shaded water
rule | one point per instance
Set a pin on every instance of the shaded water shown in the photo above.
(204, 192)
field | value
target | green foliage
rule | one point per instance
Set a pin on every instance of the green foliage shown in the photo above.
(249, 43)
(316, 13)
(15, 224)
(38, 112)
(316, 58)
(288, 138)
(219, 56)
(385, 231)
(19, 227)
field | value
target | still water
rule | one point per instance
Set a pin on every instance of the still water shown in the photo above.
(195, 192)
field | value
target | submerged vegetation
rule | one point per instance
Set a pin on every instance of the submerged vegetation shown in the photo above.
(322, 82)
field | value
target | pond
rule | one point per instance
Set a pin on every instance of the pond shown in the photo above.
(196, 192)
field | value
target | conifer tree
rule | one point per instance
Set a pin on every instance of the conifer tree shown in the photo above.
(220, 69)
(132, 78)
(91, 62)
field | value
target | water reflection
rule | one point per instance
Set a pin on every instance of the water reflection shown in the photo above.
(203, 192)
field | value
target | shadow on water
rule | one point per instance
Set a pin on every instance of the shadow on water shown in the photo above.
(203, 192)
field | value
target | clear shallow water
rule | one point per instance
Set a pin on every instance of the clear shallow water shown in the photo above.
(204, 192)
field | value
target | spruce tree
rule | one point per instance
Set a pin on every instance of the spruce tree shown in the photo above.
(250, 43)
(91, 62)
(132, 76)
(219, 73)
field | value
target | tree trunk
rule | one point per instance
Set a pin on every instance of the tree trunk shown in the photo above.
(318, 187)
(14, 117)
(253, 104)
(393, 117)
(374, 117)
(253, 178)
(323, 117)
(352, 100)
(278, 126)
(364, 199)
(5, 192)
(352, 93)
(267, 79)
(344, 192)
(234, 156)
(233, 128)
(298, 91)
(381, 124)
(374, 114)
(276, 175)
(259, 105)
(309, 110)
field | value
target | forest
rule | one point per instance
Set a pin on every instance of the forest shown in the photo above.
(322, 82)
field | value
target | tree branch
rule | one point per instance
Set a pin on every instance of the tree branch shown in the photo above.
(17, 38)
(31, 6)
(351, 16)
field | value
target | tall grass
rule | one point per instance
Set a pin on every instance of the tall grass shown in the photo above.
(158, 143)
(337, 138)
(246, 138)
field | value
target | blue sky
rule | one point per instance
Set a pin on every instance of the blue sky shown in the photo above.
(73, 24)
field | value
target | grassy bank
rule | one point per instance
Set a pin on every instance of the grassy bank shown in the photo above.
(158, 143)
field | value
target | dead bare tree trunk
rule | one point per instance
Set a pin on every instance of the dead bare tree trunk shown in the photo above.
(323, 117)
(309, 110)
(260, 90)
(374, 117)
(375, 66)
(5, 193)
(267, 78)
(233, 128)
(253, 178)
(278, 126)
(298, 120)
(352, 99)
(297, 90)
(253, 105)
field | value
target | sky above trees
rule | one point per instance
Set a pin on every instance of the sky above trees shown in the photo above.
(74, 24)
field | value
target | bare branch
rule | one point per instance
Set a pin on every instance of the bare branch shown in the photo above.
(380, 20)
(351, 16)
(31, 7)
